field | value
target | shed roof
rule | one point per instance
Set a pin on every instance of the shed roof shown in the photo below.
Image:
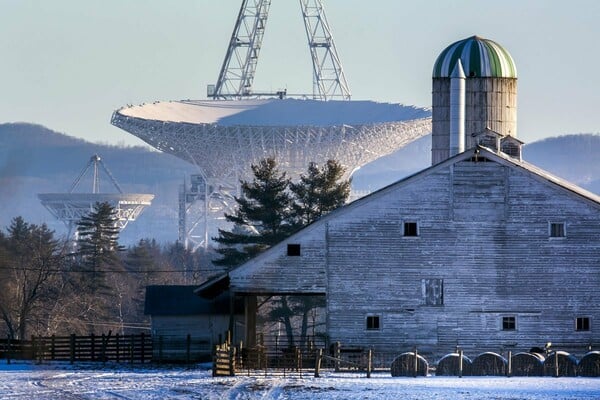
(181, 300)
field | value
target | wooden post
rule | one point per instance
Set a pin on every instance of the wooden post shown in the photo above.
(33, 350)
(52, 348)
(297, 358)
(72, 348)
(160, 349)
(143, 337)
(416, 364)
(509, 366)
(556, 371)
(131, 348)
(93, 348)
(460, 363)
(318, 359)
(232, 361)
(118, 345)
(8, 349)
(337, 354)
(369, 362)
(241, 355)
(188, 348)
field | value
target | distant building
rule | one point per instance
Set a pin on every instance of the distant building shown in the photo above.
(482, 250)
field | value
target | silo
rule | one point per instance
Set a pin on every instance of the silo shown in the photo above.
(490, 94)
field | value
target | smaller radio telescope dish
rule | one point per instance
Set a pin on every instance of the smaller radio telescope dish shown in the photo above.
(72, 206)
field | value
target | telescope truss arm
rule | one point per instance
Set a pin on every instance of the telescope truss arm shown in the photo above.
(329, 80)
(237, 73)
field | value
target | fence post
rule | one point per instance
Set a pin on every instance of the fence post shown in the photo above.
(318, 359)
(143, 335)
(160, 349)
(188, 348)
(33, 350)
(460, 363)
(416, 364)
(118, 345)
(509, 366)
(53, 348)
(72, 348)
(131, 348)
(556, 371)
(369, 362)
(8, 349)
(93, 349)
(337, 353)
(232, 361)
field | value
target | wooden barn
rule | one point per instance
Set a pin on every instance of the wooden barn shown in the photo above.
(184, 326)
(482, 251)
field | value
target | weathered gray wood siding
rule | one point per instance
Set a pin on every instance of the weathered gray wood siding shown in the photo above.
(484, 230)
(276, 272)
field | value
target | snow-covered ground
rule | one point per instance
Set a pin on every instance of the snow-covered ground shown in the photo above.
(62, 381)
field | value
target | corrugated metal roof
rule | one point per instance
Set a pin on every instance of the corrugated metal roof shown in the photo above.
(480, 58)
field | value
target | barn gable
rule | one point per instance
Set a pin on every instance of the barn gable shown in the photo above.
(452, 190)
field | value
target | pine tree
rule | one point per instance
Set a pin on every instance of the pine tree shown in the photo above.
(97, 242)
(318, 192)
(262, 218)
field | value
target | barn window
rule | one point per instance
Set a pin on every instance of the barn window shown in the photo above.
(373, 323)
(557, 230)
(582, 324)
(293, 250)
(411, 229)
(432, 291)
(509, 323)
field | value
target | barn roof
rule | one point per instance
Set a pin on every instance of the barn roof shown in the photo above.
(181, 300)
(239, 274)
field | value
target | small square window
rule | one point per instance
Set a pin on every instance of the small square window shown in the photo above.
(509, 323)
(432, 291)
(557, 229)
(373, 322)
(411, 229)
(582, 324)
(293, 250)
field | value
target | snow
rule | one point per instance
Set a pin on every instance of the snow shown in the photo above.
(275, 112)
(94, 381)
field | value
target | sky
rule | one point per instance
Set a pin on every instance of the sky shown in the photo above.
(68, 64)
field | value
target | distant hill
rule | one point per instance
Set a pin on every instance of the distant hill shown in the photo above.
(34, 159)
(575, 158)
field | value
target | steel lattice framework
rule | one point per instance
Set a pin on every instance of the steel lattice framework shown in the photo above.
(236, 76)
(71, 207)
(224, 154)
(329, 80)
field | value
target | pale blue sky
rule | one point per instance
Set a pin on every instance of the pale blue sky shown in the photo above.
(67, 64)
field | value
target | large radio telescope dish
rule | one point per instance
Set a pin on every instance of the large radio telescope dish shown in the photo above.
(70, 207)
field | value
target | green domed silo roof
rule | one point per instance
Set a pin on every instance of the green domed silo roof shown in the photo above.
(480, 58)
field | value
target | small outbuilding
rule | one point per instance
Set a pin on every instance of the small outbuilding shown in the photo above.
(185, 327)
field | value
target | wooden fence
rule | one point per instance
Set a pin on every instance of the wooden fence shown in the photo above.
(117, 348)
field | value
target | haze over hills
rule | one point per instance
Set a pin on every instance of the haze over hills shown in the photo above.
(34, 159)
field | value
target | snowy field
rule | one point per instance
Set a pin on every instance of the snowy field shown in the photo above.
(62, 381)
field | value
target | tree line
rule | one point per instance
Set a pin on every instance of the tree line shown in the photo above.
(51, 285)
(54, 286)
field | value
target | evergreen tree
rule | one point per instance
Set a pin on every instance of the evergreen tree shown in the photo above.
(318, 192)
(97, 241)
(262, 218)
